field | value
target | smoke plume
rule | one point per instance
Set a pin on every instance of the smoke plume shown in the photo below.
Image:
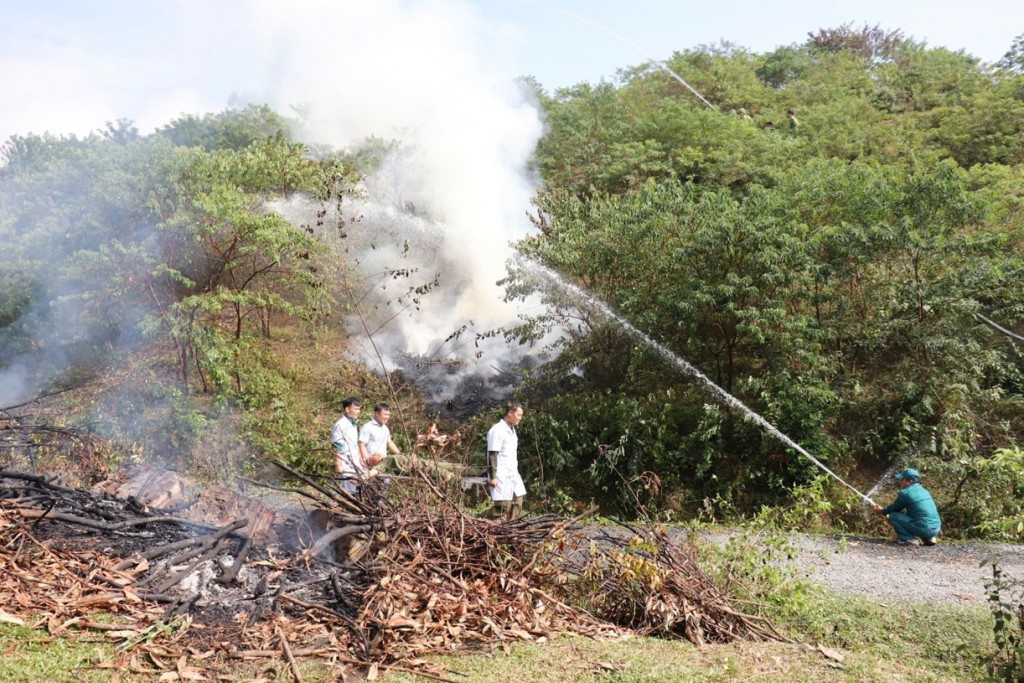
(454, 194)
(431, 76)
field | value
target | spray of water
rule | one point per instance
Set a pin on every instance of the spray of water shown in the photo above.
(887, 475)
(721, 394)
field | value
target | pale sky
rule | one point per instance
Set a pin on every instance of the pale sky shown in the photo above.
(567, 41)
(68, 66)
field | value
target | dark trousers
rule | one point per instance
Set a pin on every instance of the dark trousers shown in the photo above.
(907, 529)
(507, 509)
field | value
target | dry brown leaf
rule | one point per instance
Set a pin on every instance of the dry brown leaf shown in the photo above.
(398, 621)
(830, 653)
(54, 626)
(11, 619)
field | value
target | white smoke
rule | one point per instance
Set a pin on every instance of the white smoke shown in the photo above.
(425, 75)
(434, 75)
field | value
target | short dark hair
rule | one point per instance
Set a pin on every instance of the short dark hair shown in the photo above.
(381, 406)
(511, 408)
(351, 401)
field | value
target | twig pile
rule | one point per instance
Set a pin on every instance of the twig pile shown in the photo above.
(652, 586)
(445, 581)
(375, 584)
(41, 446)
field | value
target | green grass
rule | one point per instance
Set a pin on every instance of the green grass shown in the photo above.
(35, 656)
(881, 642)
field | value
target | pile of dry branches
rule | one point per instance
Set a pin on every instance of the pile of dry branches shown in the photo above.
(373, 581)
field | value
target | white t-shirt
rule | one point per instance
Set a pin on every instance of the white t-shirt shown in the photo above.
(345, 438)
(376, 437)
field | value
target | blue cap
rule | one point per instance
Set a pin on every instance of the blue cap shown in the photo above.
(909, 473)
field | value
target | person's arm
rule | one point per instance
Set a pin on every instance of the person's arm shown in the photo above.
(393, 449)
(492, 479)
(897, 505)
(338, 441)
(493, 447)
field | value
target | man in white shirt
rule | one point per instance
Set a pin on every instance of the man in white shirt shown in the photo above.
(507, 488)
(349, 464)
(375, 437)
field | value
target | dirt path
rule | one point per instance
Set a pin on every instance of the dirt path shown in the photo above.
(949, 572)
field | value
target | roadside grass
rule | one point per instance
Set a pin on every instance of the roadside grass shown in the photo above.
(882, 642)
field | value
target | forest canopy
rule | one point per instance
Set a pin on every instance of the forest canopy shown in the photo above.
(825, 241)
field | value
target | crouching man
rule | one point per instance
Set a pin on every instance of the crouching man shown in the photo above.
(913, 514)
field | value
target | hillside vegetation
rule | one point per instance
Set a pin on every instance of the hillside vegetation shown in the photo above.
(825, 242)
(826, 238)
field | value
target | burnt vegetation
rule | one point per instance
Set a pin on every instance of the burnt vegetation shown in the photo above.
(357, 582)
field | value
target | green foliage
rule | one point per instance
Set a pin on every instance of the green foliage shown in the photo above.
(1006, 603)
(167, 243)
(752, 565)
(1013, 61)
(827, 272)
(998, 503)
(231, 130)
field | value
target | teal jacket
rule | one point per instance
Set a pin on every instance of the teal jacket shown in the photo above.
(918, 503)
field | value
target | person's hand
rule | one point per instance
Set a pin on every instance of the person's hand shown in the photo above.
(878, 508)
(492, 483)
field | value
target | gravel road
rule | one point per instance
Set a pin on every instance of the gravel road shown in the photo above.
(948, 572)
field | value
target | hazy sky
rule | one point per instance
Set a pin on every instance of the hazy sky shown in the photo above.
(567, 41)
(70, 65)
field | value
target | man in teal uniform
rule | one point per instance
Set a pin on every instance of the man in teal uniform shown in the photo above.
(913, 514)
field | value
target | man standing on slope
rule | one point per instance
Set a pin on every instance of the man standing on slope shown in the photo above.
(913, 514)
(375, 437)
(507, 488)
(349, 465)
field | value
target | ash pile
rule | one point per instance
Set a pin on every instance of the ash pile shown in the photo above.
(369, 583)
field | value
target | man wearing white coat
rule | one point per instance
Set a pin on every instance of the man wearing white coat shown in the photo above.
(507, 488)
